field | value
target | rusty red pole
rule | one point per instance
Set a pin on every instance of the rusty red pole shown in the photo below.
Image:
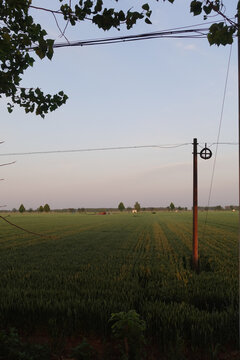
(195, 207)
(239, 167)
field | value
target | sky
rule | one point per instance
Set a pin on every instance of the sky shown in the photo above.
(153, 92)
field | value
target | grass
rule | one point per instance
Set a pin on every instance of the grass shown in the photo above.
(95, 265)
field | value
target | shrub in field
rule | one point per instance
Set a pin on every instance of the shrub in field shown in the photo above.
(137, 206)
(83, 351)
(11, 348)
(176, 350)
(57, 334)
(205, 264)
(129, 329)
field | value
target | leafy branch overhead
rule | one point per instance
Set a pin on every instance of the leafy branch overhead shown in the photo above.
(21, 36)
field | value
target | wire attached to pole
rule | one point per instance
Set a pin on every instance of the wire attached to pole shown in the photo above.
(217, 142)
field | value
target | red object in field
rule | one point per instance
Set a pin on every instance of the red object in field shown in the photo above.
(103, 213)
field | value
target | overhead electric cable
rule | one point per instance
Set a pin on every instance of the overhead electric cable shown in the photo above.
(162, 146)
(165, 146)
(218, 137)
(26, 230)
(13, 162)
(223, 143)
(182, 32)
(191, 33)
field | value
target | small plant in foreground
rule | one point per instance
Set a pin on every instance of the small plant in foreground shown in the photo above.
(11, 348)
(83, 351)
(129, 329)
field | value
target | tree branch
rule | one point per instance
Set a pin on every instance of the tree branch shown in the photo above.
(58, 12)
(44, 9)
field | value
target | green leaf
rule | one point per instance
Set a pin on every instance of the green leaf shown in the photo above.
(121, 16)
(221, 34)
(145, 7)
(98, 6)
(147, 21)
(10, 108)
(207, 9)
(196, 7)
(40, 53)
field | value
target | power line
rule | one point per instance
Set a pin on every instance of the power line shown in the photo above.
(165, 146)
(223, 143)
(180, 32)
(218, 137)
(184, 33)
(26, 230)
(154, 146)
(13, 162)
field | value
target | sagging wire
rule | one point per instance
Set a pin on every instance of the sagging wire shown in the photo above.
(164, 146)
(217, 142)
(25, 230)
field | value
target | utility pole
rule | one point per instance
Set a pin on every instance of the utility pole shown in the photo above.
(195, 207)
(238, 37)
(205, 154)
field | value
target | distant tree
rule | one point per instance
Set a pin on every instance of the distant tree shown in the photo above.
(40, 209)
(121, 206)
(172, 206)
(14, 210)
(71, 210)
(21, 208)
(30, 210)
(46, 208)
(137, 206)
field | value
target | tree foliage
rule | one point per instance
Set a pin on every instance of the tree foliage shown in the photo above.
(121, 206)
(46, 208)
(219, 33)
(172, 206)
(21, 208)
(41, 209)
(137, 206)
(21, 38)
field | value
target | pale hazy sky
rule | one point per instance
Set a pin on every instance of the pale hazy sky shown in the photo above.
(162, 91)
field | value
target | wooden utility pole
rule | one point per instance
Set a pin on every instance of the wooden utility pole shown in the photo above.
(195, 207)
(205, 154)
(238, 37)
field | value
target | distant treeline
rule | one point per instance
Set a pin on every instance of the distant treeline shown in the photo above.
(128, 209)
(219, 207)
